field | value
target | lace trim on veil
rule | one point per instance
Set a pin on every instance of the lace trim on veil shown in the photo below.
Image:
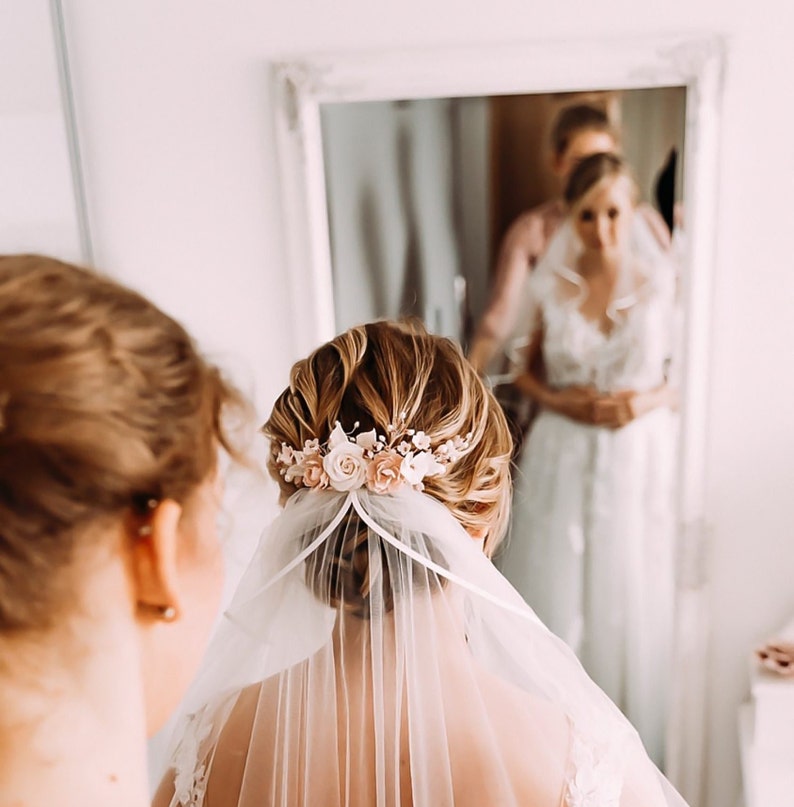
(594, 779)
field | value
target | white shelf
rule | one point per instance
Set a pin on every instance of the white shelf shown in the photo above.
(766, 740)
(745, 749)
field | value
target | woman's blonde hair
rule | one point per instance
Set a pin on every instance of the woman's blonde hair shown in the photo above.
(370, 375)
(595, 169)
(105, 404)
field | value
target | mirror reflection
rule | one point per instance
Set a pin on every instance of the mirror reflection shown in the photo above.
(500, 222)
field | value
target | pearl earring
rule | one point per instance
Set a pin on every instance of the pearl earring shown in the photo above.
(165, 613)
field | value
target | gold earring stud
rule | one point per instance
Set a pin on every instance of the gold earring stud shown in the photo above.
(144, 531)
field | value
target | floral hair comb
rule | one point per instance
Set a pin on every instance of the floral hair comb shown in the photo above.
(369, 459)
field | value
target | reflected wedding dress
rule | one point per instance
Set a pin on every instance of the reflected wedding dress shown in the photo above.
(427, 683)
(591, 545)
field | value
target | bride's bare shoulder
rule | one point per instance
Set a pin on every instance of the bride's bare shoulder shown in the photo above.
(230, 756)
(533, 739)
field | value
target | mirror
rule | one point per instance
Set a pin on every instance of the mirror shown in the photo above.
(404, 175)
(434, 202)
(421, 192)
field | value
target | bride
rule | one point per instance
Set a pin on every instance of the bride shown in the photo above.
(372, 654)
(591, 543)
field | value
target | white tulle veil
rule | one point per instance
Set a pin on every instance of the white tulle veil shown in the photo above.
(648, 268)
(373, 655)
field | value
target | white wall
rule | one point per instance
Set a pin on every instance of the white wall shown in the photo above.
(37, 200)
(174, 114)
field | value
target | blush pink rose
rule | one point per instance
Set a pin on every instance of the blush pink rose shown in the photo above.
(383, 473)
(314, 475)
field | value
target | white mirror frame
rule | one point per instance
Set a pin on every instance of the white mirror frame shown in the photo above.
(303, 84)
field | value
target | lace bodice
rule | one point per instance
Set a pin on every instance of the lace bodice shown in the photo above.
(593, 779)
(633, 353)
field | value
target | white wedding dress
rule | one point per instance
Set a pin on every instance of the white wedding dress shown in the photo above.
(591, 546)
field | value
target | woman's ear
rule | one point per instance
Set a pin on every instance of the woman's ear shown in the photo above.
(154, 561)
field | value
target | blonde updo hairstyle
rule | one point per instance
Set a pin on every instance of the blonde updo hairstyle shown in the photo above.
(595, 170)
(105, 404)
(372, 373)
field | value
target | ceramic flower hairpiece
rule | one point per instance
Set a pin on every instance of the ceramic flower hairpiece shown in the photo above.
(381, 464)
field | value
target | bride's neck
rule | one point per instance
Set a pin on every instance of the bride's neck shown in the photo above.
(440, 612)
(72, 720)
(593, 263)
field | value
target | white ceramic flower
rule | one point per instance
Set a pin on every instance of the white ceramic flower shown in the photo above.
(337, 436)
(421, 441)
(367, 440)
(311, 447)
(285, 455)
(449, 451)
(345, 465)
(415, 467)
(294, 471)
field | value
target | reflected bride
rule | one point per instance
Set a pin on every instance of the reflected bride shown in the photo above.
(373, 655)
(592, 544)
